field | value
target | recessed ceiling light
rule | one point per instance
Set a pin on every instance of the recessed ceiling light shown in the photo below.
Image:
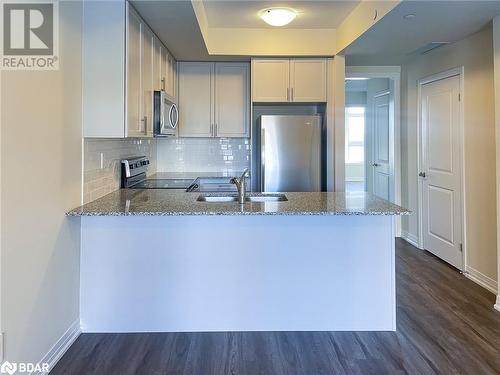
(278, 16)
(409, 16)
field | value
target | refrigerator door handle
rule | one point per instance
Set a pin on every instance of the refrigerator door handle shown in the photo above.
(262, 160)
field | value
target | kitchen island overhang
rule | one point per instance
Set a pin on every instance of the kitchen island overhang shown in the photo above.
(225, 270)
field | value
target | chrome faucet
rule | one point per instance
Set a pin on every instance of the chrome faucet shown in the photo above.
(241, 186)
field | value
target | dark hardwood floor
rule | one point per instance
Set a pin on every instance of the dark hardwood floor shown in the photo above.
(446, 325)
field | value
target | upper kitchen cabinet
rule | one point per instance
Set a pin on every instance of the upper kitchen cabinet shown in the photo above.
(271, 80)
(168, 76)
(195, 99)
(289, 80)
(232, 101)
(121, 68)
(147, 80)
(135, 99)
(214, 99)
(308, 80)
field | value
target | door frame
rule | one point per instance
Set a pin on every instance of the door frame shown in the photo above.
(393, 73)
(458, 71)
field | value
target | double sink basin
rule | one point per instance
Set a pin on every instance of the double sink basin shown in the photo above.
(250, 197)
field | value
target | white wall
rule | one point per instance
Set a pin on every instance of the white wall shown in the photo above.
(496, 48)
(475, 53)
(41, 179)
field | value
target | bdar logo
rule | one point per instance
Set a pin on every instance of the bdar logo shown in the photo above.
(8, 368)
(28, 29)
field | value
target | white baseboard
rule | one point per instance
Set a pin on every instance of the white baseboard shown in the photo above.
(481, 279)
(497, 305)
(410, 238)
(61, 346)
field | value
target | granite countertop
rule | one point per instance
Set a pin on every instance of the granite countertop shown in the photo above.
(162, 202)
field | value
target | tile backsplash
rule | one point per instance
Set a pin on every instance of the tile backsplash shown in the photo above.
(98, 181)
(225, 155)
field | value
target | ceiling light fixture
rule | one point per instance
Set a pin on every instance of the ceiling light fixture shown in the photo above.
(356, 79)
(278, 16)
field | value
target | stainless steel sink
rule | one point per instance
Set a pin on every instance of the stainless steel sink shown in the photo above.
(252, 197)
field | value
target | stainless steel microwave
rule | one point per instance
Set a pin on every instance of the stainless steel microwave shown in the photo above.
(165, 115)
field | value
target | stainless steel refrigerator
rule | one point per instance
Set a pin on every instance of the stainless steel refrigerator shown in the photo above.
(290, 153)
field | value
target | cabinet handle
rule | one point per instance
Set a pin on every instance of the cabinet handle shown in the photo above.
(212, 130)
(163, 84)
(291, 94)
(287, 94)
(144, 120)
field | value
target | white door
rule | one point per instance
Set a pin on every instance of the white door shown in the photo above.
(381, 140)
(195, 99)
(308, 80)
(441, 169)
(232, 99)
(271, 80)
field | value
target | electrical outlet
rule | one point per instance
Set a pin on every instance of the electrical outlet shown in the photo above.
(102, 160)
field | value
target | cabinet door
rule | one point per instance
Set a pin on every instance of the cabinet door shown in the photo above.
(147, 80)
(135, 127)
(270, 80)
(231, 99)
(308, 80)
(157, 64)
(170, 83)
(163, 67)
(195, 99)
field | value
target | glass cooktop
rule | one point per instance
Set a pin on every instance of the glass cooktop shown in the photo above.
(181, 183)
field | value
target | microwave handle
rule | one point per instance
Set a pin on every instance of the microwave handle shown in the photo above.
(173, 108)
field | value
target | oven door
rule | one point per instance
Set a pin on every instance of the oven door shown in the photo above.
(165, 116)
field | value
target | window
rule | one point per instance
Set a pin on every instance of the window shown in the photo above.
(355, 135)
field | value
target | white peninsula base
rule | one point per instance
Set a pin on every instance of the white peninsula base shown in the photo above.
(237, 273)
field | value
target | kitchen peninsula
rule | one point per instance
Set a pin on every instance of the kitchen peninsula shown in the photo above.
(163, 261)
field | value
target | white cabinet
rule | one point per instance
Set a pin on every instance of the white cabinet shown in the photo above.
(147, 81)
(121, 68)
(213, 99)
(167, 72)
(134, 95)
(195, 99)
(308, 80)
(157, 77)
(232, 102)
(271, 80)
(289, 80)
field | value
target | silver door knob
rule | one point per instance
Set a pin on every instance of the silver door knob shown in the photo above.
(422, 174)
(376, 164)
